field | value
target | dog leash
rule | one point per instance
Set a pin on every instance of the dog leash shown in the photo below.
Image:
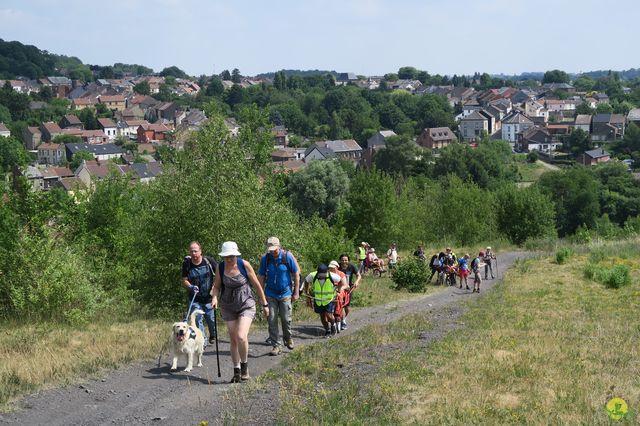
(186, 319)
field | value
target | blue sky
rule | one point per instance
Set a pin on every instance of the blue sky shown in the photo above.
(370, 37)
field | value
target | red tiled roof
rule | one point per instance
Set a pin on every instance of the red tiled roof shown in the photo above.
(116, 98)
(106, 122)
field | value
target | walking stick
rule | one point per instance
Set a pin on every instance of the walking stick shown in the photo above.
(496, 259)
(215, 329)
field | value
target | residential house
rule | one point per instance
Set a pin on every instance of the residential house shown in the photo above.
(60, 86)
(523, 96)
(102, 152)
(82, 103)
(345, 78)
(108, 127)
(593, 157)
(4, 130)
(146, 172)
(129, 128)
(93, 137)
(116, 102)
(31, 137)
(535, 109)
(408, 85)
(347, 149)
(51, 153)
(89, 172)
(318, 152)
(283, 154)
(152, 132)
(601, 98)
(71, 121)
(132, 113)
(473, 126)
(17, 85)
(71, 185)
(562, 87)
(163, 111)
(52, 175)
(436, 138)
(536, 139)
(515, 123)
(495, 116)
(50, 130)
(232, 125)
(607, 127)
(34, 177)
(583, 122)
(634, 116)
(280, 135)
(193, 119)
(379, 139)
(559, 129)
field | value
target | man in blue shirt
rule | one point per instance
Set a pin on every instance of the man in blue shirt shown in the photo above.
(278, 271)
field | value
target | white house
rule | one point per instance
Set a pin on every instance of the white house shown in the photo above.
(108, 127)
(514, 124)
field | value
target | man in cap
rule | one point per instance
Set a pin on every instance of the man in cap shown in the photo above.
(362, 255)
(279, 276)
(323, 287)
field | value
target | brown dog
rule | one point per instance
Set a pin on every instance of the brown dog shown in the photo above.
(187, 339)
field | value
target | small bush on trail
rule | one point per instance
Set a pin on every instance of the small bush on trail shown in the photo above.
(562, 255)
(411, 275)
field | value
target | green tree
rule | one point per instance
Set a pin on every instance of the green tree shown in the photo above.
(225, 75)
(88, 118)
(399, 156)
(318, 189)
(235, 95)
(630, 142)
(578, 142)
(555, 76)
(584, 83)
(142, 88)
(65, 139)
(408, 73)
(584, 108)
(215, 87)
(79, 157)
(107, 72)
(173, 71)
(12, 154)
(235, 76)
(5, 115)
(604, 108)
(575, 195)
(523, 213)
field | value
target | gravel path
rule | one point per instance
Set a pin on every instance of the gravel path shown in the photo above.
(149, 393)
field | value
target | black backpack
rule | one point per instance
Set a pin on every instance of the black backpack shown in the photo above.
(204, 288)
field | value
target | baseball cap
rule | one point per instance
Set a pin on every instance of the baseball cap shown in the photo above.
(322, 269)
(333, 264)
(273, 243)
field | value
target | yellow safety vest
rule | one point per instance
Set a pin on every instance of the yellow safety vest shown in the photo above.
(363, 253)
(323, 293)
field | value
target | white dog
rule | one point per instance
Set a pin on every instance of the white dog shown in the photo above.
(187, 339)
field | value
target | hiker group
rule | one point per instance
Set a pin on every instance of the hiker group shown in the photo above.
(227, 286)
(447, 267)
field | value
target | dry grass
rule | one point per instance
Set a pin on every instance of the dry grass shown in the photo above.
(35, 357)
(546, 346)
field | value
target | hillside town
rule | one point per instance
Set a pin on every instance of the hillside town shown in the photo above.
(530, 119)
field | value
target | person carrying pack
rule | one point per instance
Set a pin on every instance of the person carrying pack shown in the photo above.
(475, 267)
(278, 269)
(324, 286)
(197, 277)
(232, 292)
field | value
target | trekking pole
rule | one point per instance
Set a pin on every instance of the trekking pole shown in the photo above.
(215, 329)
(496, 259)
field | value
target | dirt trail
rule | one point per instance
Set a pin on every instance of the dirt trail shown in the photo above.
(149, 393)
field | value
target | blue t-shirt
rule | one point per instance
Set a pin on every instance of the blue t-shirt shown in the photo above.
(463, 264)
(277, 276)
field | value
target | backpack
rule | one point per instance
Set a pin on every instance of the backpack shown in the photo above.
(279, 261)
(241, 268)
(204, 288)
(435, 261)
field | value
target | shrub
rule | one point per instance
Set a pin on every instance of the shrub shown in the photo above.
(411, 275)
(615, 277)
(532, 157)
(562, 255)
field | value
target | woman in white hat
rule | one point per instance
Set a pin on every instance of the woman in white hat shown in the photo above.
(237, 304)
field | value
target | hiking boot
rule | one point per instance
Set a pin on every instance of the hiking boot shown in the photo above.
(275, 351)
(468, 288)
(333, 330)
(327, 333)
(244, 371)
(460, 286)
(212, 340)
(289, 344)
(236, 376)
(343, 324)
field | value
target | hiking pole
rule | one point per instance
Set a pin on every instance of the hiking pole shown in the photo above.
(215, 329)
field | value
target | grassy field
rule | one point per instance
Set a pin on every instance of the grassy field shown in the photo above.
(530, 172)
(34, 357)
(546, 346)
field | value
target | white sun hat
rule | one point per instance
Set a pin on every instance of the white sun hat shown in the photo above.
(229, 248)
